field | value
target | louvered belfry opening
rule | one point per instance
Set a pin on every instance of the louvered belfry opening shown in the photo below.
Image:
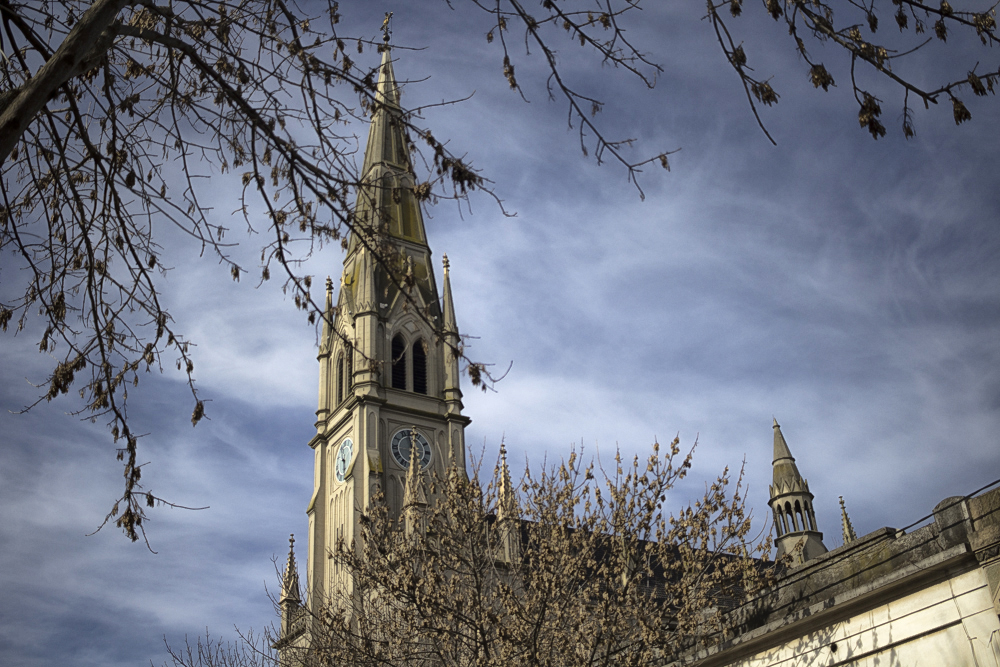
(419, 367)
(398, 363)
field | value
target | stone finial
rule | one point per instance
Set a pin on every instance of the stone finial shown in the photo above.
(444, 262)
(848, 528)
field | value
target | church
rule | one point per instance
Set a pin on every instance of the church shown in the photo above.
(390, 407)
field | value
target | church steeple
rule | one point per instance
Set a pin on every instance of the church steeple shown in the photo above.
(389, 396)
(792, 504)
(387, 206)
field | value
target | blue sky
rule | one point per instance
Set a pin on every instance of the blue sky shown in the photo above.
(848, 287)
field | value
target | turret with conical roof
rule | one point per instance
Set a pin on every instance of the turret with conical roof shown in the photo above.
(792, 504)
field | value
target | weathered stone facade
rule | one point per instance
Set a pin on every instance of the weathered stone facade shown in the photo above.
(927, 595)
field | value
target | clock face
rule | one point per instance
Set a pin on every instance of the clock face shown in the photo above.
(402, 444)
(343, 459)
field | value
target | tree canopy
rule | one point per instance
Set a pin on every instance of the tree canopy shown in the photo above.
(578, 564)
(113, 112)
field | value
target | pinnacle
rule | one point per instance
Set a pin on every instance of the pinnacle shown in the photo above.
(290, 580)
(847, 527)
(414, 493)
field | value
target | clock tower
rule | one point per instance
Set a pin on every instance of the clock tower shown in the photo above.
(388, 375)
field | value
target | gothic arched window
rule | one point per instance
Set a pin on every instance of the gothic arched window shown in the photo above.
(419, 367)
(791, 516)
(340, 378)
(398, 362)
(350, 367)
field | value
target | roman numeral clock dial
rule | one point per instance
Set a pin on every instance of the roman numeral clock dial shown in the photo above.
(407, 442)
(343, 459)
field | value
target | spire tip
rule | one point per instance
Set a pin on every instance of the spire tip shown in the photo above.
(846, 525)
(386, 30)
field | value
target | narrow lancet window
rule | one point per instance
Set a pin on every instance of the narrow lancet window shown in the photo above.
(350, 367)
(398, 363)
(791, 517)
(340, 378)
(419, 367)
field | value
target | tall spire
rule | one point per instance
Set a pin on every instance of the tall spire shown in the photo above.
(386, 136)
(792, 504)
(386, 201)
(388, 222)
(845, 522)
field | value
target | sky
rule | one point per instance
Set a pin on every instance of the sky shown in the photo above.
(846, 287)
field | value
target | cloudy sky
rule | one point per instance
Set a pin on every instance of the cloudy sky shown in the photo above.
(849, 288)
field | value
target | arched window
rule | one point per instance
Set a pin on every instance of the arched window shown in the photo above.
(340, 378)
(419, 367)
(350, 367)
(800, 520)
(398, 363)
(790, 516)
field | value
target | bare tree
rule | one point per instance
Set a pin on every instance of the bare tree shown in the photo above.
(113, 112)
(575, 565)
